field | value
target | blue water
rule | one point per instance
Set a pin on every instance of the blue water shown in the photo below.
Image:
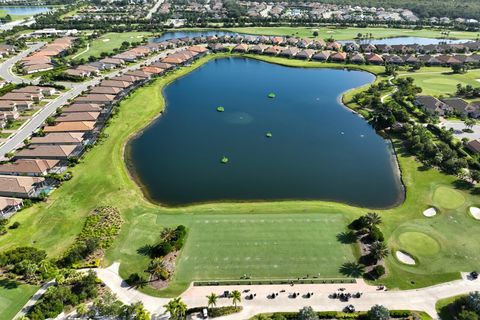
(389, 41)
(24, 10)
(319, 149)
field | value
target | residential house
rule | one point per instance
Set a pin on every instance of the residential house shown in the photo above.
(30, 167)
(21, 186)
(77, 116)
(432, 105)
(8, 206)
(474, 146)
(81, 126)
(42, 151)
(61, 138)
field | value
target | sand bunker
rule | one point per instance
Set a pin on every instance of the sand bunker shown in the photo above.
(106, 40)
(475, 212)
(430, 212)
(405, 258)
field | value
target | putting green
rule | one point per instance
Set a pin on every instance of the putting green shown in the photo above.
(418, 244)
(448, 198)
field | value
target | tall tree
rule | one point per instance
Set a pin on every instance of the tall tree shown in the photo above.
(236, 297)
(212, 299)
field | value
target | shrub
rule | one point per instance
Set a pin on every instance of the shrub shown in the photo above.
(378, 312)
(14, 225)
(377, 272)
(222, 311)
(20, 254)
(307, 313)
(472, 301)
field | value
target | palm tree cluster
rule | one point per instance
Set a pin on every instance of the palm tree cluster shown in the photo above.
(369, 233)
(176, 308)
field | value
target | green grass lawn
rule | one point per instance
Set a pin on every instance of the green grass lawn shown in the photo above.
(351, 33)
(110, 41)
(4, 135)
(441, 81)
(13, 297)
(227, 240)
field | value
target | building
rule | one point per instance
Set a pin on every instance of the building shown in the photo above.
(8, 206)
(432, 105)
(55, 152)
(21, 186)
(81, 126)
(30, 167)
(62, 138)
(474, 146)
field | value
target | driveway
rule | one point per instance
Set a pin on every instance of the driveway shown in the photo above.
(457, 126)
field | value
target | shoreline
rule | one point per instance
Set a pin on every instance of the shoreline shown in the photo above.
(127, 159)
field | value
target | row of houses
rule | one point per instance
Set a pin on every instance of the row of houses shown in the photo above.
(116, 61)
(21, 99)
(76, 126)
(305, 43)
(42, 59)
(448, 106)
(351, 57)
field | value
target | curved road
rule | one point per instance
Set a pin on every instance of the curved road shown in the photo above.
(6, 67)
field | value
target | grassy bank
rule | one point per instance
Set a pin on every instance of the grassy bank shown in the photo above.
(351, 33)
(227, 240)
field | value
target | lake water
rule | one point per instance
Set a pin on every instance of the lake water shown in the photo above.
(318, 150)
(27, 10)
(389, 41)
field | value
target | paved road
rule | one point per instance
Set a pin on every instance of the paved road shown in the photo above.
(10, 25)
(154, 9)
(6, 67)
(34, 299)
(24, 132)
(419, 299)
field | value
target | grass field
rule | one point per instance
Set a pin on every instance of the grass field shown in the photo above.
(235, 232)
(110, 41)
(441, 81)
(13, 297)
(351, 33)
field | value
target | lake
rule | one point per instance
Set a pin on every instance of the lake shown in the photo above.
(319, 150)
(27, 10)
(389, 41)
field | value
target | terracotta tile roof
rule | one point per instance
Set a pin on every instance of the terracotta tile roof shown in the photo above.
(18, 184)
(59, 138)
(46, 151)
(25, 166)
(81, 126)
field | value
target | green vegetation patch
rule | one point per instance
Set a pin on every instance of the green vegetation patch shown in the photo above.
(13, 297)
(220, 109)
(418, 244)
(448, 198)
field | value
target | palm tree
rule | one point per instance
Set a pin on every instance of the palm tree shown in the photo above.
(167, 234)
(181, 308)
(157, 268)
(212, 299)
(171, 307)
(379, 250)
(373, 219)
(236, 297)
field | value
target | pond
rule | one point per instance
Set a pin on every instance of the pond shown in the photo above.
(27, 10)
(389, 41)
(318, 149)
